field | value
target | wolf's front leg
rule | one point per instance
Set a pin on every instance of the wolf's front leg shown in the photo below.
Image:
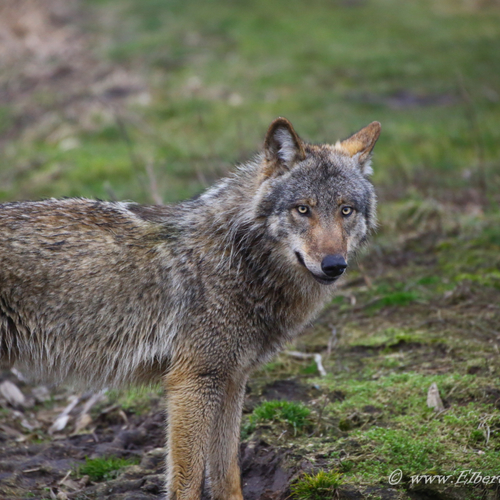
(193, 402)
(223, 468)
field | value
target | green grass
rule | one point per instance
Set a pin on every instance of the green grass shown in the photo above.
(103, 469)
(388, 417)
(294, 416)
(320, 486)
(446, 446)
(390, 337)
(397, 298)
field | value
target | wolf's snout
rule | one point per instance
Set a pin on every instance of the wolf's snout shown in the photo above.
(333, 265)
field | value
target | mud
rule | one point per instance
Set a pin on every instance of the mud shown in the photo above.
(49, 468)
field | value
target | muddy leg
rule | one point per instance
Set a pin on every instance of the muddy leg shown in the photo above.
(192, 403)
(223, 468)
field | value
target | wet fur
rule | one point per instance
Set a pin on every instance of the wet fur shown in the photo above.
(196, 294)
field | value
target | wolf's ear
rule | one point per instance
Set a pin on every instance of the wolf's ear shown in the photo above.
(361, 145)
(282, 147)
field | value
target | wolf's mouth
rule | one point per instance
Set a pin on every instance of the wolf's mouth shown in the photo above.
(300, 259)
(323, 280)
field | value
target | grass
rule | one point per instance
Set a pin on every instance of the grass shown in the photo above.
(384, 424)
(387, 358)
(218, 73)
(446, 446)
(396, 298)
(292, 415)
(103, 468)
(384, 415)
(320, 486)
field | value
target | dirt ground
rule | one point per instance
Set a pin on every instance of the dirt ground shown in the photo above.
(41, 463)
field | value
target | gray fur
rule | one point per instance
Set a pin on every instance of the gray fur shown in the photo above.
(104, 293)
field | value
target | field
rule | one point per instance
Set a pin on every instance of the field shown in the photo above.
(152, 101)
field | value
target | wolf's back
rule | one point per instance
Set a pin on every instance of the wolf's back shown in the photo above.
(79, 282)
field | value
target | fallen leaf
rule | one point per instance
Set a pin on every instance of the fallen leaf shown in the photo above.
(70, 484)
(41, 393)
(82, 422)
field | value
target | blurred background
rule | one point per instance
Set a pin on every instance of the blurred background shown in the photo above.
(98, 97)
(153, 100)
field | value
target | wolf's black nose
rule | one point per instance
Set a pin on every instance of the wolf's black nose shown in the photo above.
(333, 265)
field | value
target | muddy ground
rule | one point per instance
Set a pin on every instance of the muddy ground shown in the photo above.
(39, 465)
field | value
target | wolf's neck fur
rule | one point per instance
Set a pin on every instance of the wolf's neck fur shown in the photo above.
(242, 248)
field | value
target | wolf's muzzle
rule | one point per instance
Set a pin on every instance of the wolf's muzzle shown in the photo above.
(333, 265)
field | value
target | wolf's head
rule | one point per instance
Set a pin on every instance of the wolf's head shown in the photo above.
(316, 200)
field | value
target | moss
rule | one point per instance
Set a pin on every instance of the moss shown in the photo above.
(320, 486)
(103, 468)
(295, 416)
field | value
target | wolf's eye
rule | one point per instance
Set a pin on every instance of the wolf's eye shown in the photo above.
(303, 209)
(346, 211)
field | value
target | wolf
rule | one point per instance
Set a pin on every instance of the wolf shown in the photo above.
(195, 295)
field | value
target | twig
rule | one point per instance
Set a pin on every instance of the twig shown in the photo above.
(63, 417)
(483, 424)
(317, 358)
(201, 176)
(332, 342)
(325, 401)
